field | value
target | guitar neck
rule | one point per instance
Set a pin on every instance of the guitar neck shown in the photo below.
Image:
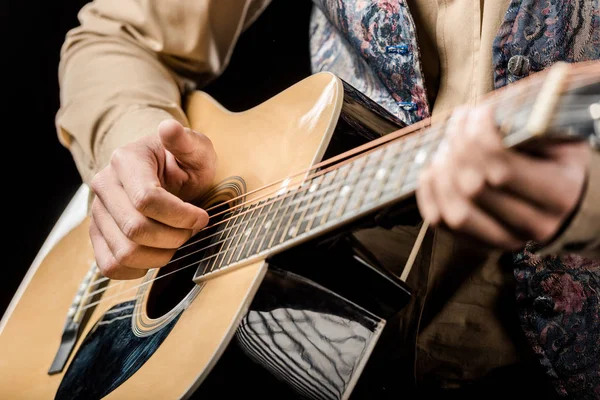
(383, 174)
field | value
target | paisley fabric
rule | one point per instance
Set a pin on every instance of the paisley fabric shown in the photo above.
(372, 45)
(558, 297)
(546, 31)
(558, 300)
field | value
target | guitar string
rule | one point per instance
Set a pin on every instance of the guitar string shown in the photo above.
(302, 188)
(194, 263)
(284, 216)
(418, 128)
(490, 98)
(290, 193)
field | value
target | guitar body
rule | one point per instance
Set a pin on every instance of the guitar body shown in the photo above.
(142, 339)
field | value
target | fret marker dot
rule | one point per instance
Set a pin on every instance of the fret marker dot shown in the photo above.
(267, 225)
(421, 156)
(345, 190)
(380, 174)
(248, 231)
(313, 188)
(284, 186)
(293, 231)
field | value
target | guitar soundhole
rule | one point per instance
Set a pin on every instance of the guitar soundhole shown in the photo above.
(174, 281)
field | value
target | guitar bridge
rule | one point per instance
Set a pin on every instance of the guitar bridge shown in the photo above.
(81, 308)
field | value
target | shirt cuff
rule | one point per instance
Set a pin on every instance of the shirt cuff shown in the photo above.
(582, 235)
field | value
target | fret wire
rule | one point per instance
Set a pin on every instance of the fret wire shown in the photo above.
(420, 157)
(381, 176)
(399, 171)
(326, 183)
(284, 211)
(229, 222)
(334, 177)
(355, 165)
(344, 174)
(437, 136)
(246, 233)
(277, 210)
(259, 225)
(311, 193)
(369, 171)
(411, 155)
(241, 227)
(291, 218)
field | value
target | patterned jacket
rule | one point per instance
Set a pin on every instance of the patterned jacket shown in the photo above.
(558, 298)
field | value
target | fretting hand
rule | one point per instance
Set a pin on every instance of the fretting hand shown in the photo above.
(479, 188)
(143, 209)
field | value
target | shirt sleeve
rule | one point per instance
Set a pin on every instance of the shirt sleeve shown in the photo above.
(124, 68)
(582, 234)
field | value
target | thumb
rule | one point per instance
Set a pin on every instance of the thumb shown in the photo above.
(191, 149)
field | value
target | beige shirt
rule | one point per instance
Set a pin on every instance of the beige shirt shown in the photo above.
(123, 71)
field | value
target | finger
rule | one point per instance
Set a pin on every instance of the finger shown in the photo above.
(425, 199)
(109, 267)
(134, 225)
(535, 180)
(191, 149)
(547, 184)
(140, 181)
(125, 252)
(482, 227)
(522, 219)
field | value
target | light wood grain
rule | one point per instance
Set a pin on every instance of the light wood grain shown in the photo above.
(284, 135)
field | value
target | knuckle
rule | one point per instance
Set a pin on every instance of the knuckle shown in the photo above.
(98, 182)
(499, 175)
(126, 254)
(134, 228)
(457, 218)
(181, 240)
(110, 269)
(95, 209)
(471, 183)
(117, 156)
(144, 198)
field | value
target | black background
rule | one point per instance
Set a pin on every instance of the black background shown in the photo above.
(39, 175)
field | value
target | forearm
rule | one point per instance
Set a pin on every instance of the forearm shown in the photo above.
(112, 92)
(124, 69)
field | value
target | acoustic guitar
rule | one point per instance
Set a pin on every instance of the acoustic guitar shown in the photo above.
(275, 297)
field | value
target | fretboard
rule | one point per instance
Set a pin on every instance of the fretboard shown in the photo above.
(329, 199)
(389, 172)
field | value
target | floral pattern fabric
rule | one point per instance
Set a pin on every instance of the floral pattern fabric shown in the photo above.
(373, 46)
